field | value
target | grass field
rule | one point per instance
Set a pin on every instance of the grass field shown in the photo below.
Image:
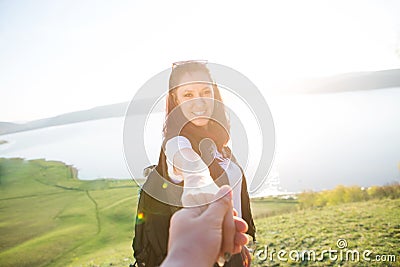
(371, 225)
(50, 218)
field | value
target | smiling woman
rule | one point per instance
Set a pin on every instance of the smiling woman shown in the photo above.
(194, 161)
(196, 102)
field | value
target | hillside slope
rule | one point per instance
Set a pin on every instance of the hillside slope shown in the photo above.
(363, 226)
(49, 218)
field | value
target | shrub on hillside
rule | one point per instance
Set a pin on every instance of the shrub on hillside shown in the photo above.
(342, 194)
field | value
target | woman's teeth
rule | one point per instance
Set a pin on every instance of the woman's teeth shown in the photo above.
(199, 113)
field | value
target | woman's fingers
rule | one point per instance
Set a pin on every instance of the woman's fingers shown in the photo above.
(240, 224)
(235, 213)
(246, 257)
(241, 239)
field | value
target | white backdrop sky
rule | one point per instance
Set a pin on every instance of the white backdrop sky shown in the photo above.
(62, 56)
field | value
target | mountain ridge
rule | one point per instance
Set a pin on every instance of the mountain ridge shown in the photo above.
(356, 81)
(100, 112)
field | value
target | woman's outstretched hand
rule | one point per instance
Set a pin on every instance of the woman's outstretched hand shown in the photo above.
(200, 236)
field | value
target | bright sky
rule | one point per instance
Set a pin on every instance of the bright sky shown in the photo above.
(62, 56)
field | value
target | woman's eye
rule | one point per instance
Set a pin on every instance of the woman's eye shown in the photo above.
(188, 95)
(207, 92)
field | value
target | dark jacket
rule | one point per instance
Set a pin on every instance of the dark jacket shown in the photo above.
(150, 243)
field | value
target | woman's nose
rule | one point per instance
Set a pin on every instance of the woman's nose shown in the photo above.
(199, 102)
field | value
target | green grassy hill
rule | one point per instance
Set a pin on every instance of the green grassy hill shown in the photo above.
(371, 225)
(50, 218)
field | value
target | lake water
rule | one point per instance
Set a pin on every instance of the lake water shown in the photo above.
(93, 147)
(350, 138)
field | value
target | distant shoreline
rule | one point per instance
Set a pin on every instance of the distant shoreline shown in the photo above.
(74, 171)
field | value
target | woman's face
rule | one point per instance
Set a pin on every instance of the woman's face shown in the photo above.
(196, 101)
